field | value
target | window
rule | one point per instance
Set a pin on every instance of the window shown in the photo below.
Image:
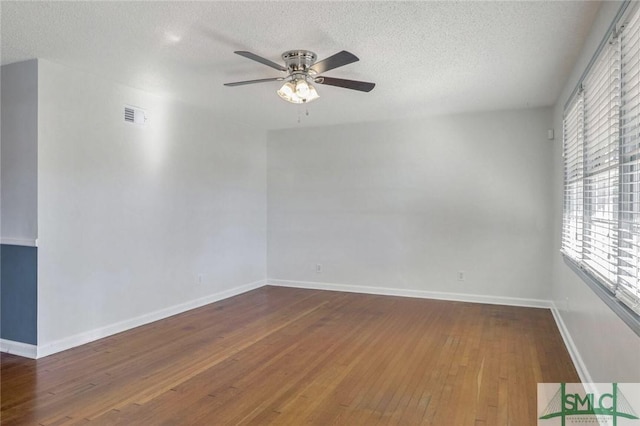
(601, 148)
(573, 168)
(601, 92)
(629, 218)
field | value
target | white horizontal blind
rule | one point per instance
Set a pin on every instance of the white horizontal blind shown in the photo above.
(601, 167)
(573, 179)
(629, 220)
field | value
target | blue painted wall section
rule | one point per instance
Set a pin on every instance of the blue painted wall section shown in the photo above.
(19, 293)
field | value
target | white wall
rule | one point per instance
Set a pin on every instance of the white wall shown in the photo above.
(19, 154)
(608, 348)
(408, 204)
(129, 217)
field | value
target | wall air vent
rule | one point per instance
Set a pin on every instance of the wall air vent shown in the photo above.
(135, 115)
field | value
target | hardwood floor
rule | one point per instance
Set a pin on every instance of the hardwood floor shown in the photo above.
(292, 356)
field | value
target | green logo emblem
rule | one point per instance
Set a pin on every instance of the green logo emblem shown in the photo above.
(613, 405)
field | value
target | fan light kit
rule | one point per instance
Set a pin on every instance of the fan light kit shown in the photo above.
(298, 91)
(302, 73)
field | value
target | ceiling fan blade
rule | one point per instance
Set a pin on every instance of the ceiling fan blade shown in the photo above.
(262, 80)
(260, 59)
(338, 60)
(362, 86)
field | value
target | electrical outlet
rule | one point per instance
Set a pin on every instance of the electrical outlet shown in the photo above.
(318, 268)
(460, 275)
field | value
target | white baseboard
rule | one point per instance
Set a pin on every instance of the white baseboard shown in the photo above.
(99, 333)
(18, 348)
(583, 373)
(33, 351)
(422, 294)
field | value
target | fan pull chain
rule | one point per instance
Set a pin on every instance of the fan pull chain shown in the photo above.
(306, 113)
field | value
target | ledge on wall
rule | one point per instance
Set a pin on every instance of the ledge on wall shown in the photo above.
(25, 242)
(620, 309)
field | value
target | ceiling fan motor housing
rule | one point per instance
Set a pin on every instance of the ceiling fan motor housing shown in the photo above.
(299, 61)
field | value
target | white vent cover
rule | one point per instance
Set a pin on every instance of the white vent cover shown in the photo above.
(135, 115)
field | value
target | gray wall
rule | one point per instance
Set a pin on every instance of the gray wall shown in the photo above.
(408, 204)
(19, 153)
(134, 220)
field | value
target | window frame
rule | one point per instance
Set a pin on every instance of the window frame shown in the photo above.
(575, 248)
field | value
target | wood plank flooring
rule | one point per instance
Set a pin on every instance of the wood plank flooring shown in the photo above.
(292, 356)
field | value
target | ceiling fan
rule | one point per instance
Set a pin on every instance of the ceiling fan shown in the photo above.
(303, 71)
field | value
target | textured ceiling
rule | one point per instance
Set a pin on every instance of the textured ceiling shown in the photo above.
(426, 57)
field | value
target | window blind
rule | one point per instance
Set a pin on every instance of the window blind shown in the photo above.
(601, 166)
(573, 175)
(629, 216)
